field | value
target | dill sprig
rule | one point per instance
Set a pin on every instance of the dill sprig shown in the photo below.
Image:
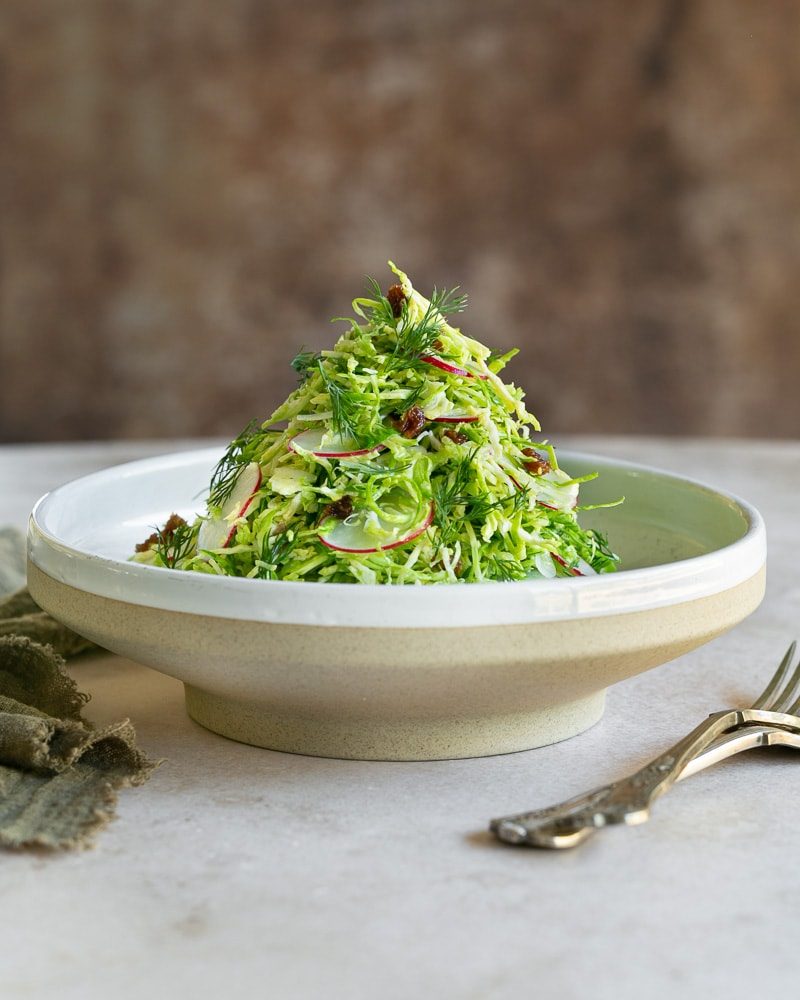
(448, 493)
(345, 405)
(304, 362)
(506, 568)
(175, 545)
(275, 550)
(396, 407)
(380, 308)
(590, 544)
(227, 469)
(452, 492)
(354, 416)
(480, 507)
(602, 558)
(416, 339)
(414, 396)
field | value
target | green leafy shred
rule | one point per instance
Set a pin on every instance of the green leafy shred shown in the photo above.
(439, 437)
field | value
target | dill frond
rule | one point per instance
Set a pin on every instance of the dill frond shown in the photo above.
(176, 545)
(227, 469)
(480, 507)
(275, 550)
(416, 339)
(448, 493)
(304, 362)
(355, 416)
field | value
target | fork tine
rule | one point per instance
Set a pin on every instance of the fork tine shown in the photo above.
(794, 708)
(766, 697)
(791, 689)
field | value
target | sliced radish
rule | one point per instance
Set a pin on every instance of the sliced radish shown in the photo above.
(545, 565)
(334, 446)
(571, 505)
(452, 369)
(454, 418)
(217, 532)
(582, 569)
(445, 366)
(351, 535)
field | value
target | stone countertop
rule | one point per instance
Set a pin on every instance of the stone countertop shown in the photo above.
(238, 871)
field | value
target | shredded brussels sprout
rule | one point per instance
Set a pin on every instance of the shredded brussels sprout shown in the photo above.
(401, 457)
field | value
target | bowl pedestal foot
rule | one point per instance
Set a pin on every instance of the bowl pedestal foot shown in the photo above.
(371, 738)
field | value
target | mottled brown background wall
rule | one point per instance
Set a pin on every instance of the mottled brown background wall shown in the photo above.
(190, 190)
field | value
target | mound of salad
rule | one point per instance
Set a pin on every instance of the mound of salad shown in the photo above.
(402, 457)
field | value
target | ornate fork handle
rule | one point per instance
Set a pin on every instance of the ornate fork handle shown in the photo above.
(625, 801)
(774, 718)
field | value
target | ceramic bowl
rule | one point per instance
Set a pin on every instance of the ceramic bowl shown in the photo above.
(399, 673)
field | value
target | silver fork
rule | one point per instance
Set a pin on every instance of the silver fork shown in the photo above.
(773, 716)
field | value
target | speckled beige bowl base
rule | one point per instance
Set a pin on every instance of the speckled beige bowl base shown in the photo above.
(396, 694)
(393, 739)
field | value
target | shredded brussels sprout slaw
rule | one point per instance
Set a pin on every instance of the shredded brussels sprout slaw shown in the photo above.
(402, 457)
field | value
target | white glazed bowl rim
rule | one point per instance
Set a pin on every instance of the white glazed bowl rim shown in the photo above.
(382, 606)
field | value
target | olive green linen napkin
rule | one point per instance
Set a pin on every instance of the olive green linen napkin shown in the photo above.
(21, 616)
(58, 775)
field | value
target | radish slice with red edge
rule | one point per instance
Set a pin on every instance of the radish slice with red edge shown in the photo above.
(217, 532)
(334, 447)
(450, 368)
(350, 534)
(582, 569)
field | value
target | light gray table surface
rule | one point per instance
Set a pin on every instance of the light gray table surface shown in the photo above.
(241, 872)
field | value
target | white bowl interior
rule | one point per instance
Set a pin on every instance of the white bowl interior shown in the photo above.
(108, 512)
(664, 519)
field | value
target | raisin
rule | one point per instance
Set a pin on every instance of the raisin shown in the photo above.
(174, 521)
(148, 543)
(340, 509)
(411, 422)
(537, 464)
(396, 297)
(457, 437)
